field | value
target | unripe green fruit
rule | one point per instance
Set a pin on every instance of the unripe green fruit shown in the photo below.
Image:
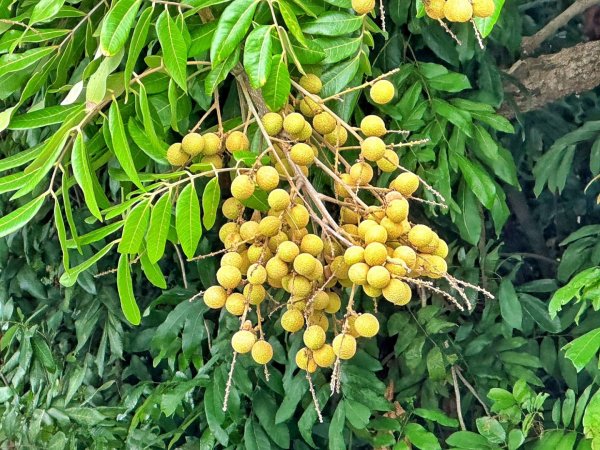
(311, 83)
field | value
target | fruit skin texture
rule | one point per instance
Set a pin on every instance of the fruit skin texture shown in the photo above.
(267, 178)
(344, 346)
(311, 83)
(278, 199)
(292, 320)
(458, 10)
(235, 304)
(314, 337)
(378, 277)
(257, 274)
(363, 6)
(406, 183)
(483, 8)
(366, 325)
(192, 144)
(324, 123)
(389, 162)
(420, 235)
(237, 142)
(435, 9)
(375, 254)
(397, 210)
(382, 91)
(309, 107)
(215, 297)
(397, 292)
(262, 352)
(293, 123)
(372, 148)
(325, 356)
(288, 251)
(304, 360)
(232, 208)
(302, 154)
(273, 123)
(229, 277)
(339, 136)
(212, 144)
(176, 156)
(361, 173)
(242, 187)
(373, 126)
(243, 341)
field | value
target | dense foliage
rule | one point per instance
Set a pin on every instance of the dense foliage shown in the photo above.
(91, 96)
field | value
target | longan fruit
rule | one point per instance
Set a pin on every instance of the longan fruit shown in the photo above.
(383, 91)
(176, 156)
(237, 142)
(192, 144)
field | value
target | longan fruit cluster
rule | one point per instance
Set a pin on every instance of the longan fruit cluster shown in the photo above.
(287, 249)
(205, 148)
(459, 10)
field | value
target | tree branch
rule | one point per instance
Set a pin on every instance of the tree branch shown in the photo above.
(531, 43)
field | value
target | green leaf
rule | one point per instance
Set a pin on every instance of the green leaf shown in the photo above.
(43, 117)
(136, 224)
(435, 364)
(13, 182)
(84, 175)
(264, 406)
(201, 37)
(338, 48)
(254, 436)
(460, 118)
(510, 308)
(210, 202)
(478, 181)
(95, 91)
(572, 289)
(338, 78)
(174, 49)
(537, 310)
(491, 429)
(19, 159)
(467, 440)
(125, 288)
(69, 278)
(231, 29)
(138, 41)
(11, 222)
(450, 82)
(333, 24)
(152, 272)
(581, 350)
(436, 416)
(116, 25)
(220, 72)
(486, 25)
(311, 54)
(16, 62)
(292, 23)
(120, 144)
(336, 428)
(591, 420)
(420, 437)
(277, 88)
(257, 55)
(42, 352)
(44, 10)
(187, 220)
(568, 407)
(468, 220)
(357, 414)
(160, 222)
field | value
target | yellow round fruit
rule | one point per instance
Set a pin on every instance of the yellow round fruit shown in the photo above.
(375, 254)
(305, 133)
(302, 154)
(232, 259)
(366, 325)
(229, 277)
(335, 303)
(304, 264)
(214, 160)
(406, 254)
(324, 356)
(304, 360)
(309, 107)
(276, 268)
(262, 352)
(354, 254)
(288, 251)
(232, 208)
(192, 144)
(373, 126)
(215, 297)
(311, 83)
(275, 241)
(320, 300)
(361, 173)
(314, 337)
(267, 178)
(299, 286)
(324, 123)
(458, 10)
(249, 230)
(176, 156)
(433, 266)
(363, 6)
(273, 123)
(441, 249)
(292, 320)
(255, 293)
(298, 216)
(212, 144)
(397, 210)
(365, 226)
(483, 8)
(269, 226)
(337, 137)
(242, 187)
(312, 244)
(435, 9)
(235, 304)
(227, 229)
(344, 346)
(243, 341)
(376, 233)
(372, 148)
(257, 274)
(293, 123)
(397, 292)
(237, 142)
(378, 277)
(278, 199)
(371, 291)
(389, 161)
(357, 273)
(420, 235)
(382, 92)
(406, 183)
